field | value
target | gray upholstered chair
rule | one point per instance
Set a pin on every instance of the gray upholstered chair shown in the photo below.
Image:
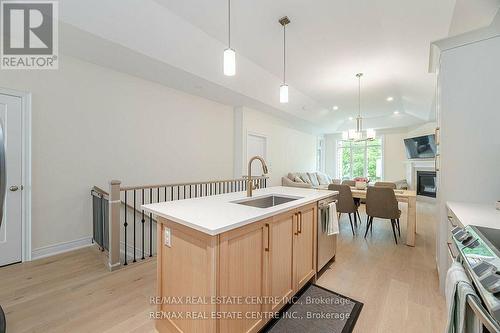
(345, 202)
(348, 182)
(381, 203)
(352, 183)
(386, 184)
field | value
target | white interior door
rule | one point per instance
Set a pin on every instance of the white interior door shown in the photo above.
(256, 146)
(10, 180)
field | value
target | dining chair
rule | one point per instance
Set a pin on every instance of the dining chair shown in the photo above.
(381, 203)
(345, 203)
(348, 182)
(386, 184)
(357, 201)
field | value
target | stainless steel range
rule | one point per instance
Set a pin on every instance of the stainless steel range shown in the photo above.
(479, 254)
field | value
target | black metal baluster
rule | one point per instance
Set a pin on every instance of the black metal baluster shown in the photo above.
(178, 192)
(151, 224)
(142, 224)
(171, 193)
(196, 190)
(184, 197)
(134, 224)
(125, 227)
(158, 195)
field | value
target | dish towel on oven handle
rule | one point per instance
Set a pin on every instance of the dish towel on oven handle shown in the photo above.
(457, 289)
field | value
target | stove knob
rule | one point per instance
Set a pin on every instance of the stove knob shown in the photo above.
(483, 269)
(491, 282)
(455, 230)
(470, 242)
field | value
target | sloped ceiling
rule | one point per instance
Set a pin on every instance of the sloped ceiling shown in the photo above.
(180, 43)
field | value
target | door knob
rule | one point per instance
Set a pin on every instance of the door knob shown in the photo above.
(14, 188)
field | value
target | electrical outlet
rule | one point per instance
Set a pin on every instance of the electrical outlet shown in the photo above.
(167, 240)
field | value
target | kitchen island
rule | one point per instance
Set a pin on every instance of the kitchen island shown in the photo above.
(228, 263)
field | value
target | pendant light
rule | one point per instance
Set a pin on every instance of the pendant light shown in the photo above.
(357, 134)
(284, 87)
(229, 53)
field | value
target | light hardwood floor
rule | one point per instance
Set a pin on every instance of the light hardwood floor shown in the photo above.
(397, 284)
(74, 292)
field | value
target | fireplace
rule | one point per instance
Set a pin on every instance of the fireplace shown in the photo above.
(426, 183)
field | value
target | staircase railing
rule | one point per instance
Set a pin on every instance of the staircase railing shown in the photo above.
(128, 233)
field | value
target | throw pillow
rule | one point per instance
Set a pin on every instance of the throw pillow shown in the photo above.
(323, 178)
(314, 178)
(298, 180)
(304, 177)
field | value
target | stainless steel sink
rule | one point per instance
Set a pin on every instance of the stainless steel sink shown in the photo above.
(267, 201)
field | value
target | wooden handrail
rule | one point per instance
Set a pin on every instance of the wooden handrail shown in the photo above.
(140, 187)
(100, 191)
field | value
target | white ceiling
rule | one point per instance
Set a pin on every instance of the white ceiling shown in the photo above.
(328, 42)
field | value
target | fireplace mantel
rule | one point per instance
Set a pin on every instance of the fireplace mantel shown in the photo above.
(412, 166)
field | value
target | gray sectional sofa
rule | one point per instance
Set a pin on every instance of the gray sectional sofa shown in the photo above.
(317, 179)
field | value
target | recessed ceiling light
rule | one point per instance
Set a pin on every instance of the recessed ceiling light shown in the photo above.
(350, 118)
(335, 107)
(396, 112)
(389, 99)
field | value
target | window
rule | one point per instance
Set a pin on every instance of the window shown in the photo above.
(320, 156)
(359, 159)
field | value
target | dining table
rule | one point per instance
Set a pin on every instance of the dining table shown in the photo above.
(407, 196)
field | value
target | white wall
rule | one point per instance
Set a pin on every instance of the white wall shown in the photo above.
(92, 124)
(394, 156)
(288, 149)
(424, 129)
(331, 153)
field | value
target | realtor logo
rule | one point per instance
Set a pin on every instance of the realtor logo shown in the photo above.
(29, 35)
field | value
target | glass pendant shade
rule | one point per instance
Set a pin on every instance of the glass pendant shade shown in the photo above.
(370, 134)
(284, 93)
(229, 62)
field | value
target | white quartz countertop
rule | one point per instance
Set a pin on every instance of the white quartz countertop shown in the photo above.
(483, 215)
(218, 213)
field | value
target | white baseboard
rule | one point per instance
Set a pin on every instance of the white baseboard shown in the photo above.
(50, 250)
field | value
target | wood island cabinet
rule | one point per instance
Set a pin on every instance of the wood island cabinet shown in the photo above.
(245, 269)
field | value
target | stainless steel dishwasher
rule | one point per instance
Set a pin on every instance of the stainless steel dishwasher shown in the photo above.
(327, 245)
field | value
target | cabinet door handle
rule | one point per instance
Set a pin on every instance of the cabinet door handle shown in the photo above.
(268, 239)
(300, 223)
(296, 215)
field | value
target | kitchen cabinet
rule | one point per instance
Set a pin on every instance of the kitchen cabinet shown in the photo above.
(305, 245)
(281, 263)
(247, 272)
(243, 270)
